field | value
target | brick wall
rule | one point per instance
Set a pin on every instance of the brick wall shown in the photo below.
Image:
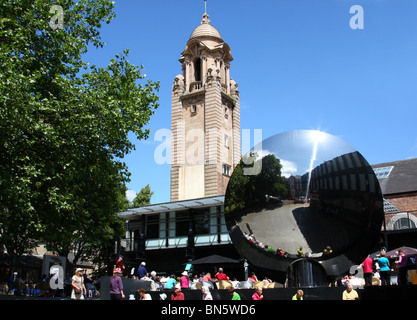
(404, 202)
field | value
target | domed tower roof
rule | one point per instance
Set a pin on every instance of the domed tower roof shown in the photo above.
(206, 30)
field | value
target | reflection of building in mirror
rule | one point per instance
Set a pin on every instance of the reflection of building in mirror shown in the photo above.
(341, 196)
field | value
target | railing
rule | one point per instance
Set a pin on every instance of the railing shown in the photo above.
(196, 85)
(178, 242)
(224, 88)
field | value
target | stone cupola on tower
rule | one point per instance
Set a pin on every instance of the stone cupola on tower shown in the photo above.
(205, 119)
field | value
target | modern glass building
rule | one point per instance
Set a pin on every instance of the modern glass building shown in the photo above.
(168, 235)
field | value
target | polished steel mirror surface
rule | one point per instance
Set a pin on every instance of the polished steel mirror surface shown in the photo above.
(303, 194)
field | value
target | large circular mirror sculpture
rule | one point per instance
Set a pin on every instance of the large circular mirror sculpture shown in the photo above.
(303, 207)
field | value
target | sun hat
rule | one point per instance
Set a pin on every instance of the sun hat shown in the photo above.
(163, 296)
(117, 270)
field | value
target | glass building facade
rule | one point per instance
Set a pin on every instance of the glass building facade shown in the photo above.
(180, 224)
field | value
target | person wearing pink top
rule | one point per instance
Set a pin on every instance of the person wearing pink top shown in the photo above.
(185, 280)
(258, 294)
(367, 271)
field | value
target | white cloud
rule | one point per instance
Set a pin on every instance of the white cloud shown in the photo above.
(288, 168)
(263, 153)
(130, 195)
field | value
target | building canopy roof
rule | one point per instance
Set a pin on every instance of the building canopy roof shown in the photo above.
(198, 203)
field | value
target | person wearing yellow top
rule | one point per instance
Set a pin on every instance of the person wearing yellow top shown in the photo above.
(350, 293)
(298, 295)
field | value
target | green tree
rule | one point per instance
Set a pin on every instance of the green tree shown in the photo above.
(143, 197)
(247, 191)
(270, 180)
(64, 127)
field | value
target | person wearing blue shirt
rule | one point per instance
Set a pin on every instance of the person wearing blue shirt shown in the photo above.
(171, 282)
(384, 269)
(142, 272)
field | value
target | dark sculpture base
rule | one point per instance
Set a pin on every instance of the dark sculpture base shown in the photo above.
(306, 273)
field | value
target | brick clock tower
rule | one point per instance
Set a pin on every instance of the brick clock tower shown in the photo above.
(205, 119)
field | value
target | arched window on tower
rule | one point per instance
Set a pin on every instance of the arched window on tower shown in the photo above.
(197, 69)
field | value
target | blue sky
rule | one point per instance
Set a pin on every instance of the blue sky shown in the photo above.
(298, 64)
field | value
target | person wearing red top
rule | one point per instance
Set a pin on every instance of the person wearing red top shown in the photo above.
(258, 294)
(367, 271)
(207, 277)
(119, 263)
(221, 276)
(253, 277)
(177, 295)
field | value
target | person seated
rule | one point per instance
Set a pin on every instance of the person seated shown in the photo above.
(350, 293)
(269, 249)
(253, 277)
(170, 283)
(177, 294)
(280, 252)
(298, 295)
(234, 294)
(143, 295)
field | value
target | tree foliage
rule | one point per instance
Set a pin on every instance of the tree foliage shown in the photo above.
(64, 127)
(246, 192)
(143, 197)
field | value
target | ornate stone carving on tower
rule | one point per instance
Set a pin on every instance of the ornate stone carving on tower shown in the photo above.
(205, 119)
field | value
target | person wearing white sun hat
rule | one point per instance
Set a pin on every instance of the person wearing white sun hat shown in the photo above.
(77, 284)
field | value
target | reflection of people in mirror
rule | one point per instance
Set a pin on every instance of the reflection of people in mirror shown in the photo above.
(328, 250)
(249, 229)
(280, 252)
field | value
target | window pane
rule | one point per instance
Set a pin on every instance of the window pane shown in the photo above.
(181, 224)
(202, 222)
(404, 223)
(152, 227)
(383, 172)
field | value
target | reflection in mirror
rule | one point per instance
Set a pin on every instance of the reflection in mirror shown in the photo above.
(313, 197)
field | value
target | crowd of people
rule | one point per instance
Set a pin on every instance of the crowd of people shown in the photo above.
(85, 286)
(251, 238)
(172, 286)
(383, 271)
(380, 272)
(377, 271)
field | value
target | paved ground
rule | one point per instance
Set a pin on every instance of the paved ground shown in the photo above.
(294, 225)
